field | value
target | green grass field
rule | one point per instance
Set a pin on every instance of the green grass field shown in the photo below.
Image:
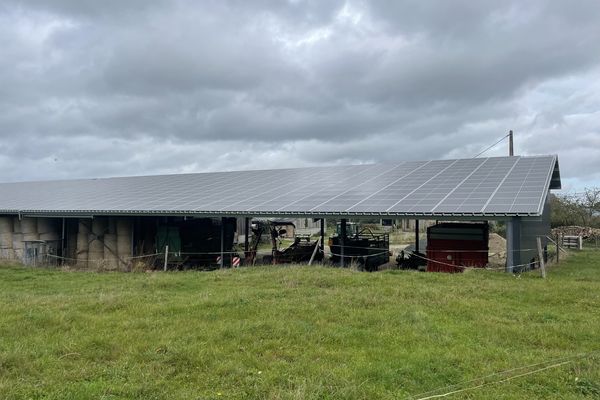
(298, 333)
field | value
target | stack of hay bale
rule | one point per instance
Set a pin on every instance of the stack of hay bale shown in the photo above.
(6, 238)
(104, 243)
(83, 242)
(124, 241)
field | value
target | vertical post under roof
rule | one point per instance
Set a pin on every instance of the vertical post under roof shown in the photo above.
(513, 243)
(247, 233)
(323, 235)
(417, 236)
(342, 241)
(222, 262)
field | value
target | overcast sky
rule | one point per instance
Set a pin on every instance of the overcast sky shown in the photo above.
(94, 88)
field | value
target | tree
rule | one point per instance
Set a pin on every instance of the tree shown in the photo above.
(590, 202)
(565, 211)
(576, 209)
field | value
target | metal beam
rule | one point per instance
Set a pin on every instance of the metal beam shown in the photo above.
(342, 241)
(513, 243)
(323, 235)
(222, 242)
(246, 236)
(417, 235)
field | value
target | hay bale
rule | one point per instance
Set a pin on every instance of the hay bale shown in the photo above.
(83, 243)
(6, 225)
(110, 251)
(47, 226)
(29, 227)
(124, 231)
(16, 225)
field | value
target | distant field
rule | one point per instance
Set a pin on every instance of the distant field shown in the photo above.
(298, 333)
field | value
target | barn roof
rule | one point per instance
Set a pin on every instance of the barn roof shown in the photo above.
(474, 187)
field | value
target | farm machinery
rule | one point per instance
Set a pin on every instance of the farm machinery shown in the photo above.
(361, 245)
(302, 248)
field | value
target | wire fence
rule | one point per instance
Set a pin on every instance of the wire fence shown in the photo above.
(219, 259)
(500, 376)
(348, 255)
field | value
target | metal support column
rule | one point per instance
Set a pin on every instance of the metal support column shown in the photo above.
(63, 252)
(342, 241)
(513, 243)
(323, 235)
(221, 263)
(247, 235)
(416, 236)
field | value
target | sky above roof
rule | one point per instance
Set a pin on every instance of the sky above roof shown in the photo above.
(112, 88)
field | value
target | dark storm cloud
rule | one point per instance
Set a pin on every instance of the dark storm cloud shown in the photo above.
(90, 88)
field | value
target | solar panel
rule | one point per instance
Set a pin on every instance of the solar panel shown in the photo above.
(463, 187)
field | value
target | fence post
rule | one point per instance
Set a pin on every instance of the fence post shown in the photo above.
(557, 248)
(166, 257)
(314, 253)
(541, 257)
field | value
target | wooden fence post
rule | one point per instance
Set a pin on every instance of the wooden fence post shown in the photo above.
(166, 257)
(541, 257)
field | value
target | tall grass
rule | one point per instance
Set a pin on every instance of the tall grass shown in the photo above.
(296, 333)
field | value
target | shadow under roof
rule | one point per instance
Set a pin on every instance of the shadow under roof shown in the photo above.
(474, 187)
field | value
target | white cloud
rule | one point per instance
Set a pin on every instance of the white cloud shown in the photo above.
(110, 88)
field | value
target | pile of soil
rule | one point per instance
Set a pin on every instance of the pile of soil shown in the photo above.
(497, 252)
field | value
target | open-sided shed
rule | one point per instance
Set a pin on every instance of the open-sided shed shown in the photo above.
(511, 189)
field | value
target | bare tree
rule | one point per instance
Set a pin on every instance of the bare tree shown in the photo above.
(589, 204)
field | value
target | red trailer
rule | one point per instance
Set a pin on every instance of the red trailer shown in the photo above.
(451, 245)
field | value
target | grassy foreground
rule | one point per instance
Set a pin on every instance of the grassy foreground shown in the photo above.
(297, 333)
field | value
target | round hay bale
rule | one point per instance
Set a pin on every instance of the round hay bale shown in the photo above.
(82, 249)
(47, 225)
(6, 240)
(110, 251)
(16, 225)
(6, 246)
(111, 225)
(124, 247)
(96, 252)
(84, 226)
(6, 225)
(30, 237)
(50, 236)
(124, 226)
(124, 230)
(17, 239)
(29, 226)
(99, 226)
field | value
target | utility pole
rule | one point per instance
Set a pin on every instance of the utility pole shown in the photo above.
(511, 151)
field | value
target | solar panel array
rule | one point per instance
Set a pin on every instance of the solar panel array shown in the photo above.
(464, 187)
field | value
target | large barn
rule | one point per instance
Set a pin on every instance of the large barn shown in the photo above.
(114, 219)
